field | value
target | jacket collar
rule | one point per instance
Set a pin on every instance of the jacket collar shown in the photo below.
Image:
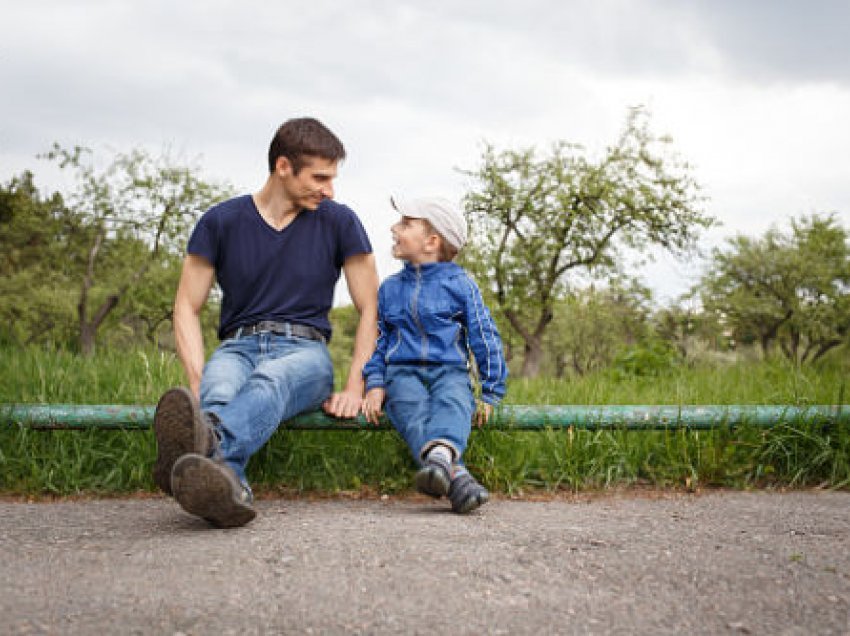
(429, 270)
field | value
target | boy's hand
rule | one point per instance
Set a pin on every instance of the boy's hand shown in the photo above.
(483, 413)
(372, 403)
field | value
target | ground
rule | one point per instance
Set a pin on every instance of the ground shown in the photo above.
(716, 563)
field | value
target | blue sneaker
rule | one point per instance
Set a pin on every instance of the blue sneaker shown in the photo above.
(434, 478)
(466, 494)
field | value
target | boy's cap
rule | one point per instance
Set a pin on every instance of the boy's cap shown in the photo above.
(440, 213)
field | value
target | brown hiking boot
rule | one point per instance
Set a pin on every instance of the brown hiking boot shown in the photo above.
(210, 489)
(180, 428)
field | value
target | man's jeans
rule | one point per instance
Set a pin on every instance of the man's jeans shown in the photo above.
(253, 383)
(428, 404)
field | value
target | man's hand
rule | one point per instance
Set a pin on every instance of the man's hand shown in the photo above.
(372, 405)
(483, 413)
(343, 404)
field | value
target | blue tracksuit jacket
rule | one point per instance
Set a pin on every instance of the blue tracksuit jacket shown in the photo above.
(434, 314)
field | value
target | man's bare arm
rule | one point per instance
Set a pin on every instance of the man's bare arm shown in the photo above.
(196, 281)
(362, 278)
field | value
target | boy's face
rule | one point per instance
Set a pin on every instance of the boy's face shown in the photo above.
(413, 241)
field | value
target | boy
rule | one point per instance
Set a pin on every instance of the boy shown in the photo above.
(430, 315)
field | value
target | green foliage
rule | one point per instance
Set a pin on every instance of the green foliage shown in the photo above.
(98, 461)
(540, 222)
(103, 256)
(790, 288)
(648, 358)
(591, 325)
(344, 321)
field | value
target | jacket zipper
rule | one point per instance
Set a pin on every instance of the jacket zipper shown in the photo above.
(414, 306)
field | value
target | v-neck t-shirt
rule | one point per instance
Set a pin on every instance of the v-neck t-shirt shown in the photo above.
(284, 275)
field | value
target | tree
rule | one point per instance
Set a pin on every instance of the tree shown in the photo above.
(116, 235)
(786, 288)
(134, 216)
(592, 325)
(538, 221)
(35, 240)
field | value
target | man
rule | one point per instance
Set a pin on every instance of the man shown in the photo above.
(276, 255)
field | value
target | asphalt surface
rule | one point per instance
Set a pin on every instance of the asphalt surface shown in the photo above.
(718, 563)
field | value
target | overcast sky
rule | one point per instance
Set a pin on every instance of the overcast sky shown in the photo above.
(755, 94)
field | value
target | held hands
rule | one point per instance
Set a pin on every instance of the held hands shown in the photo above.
(482, 413)
(343, 404)
(372, 403)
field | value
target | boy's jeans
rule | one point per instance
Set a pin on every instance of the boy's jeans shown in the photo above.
(430, 403)
(253, 383)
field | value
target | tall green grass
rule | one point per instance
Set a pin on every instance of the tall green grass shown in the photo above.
(100, 462)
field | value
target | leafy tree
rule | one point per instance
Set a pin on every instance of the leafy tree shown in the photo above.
(539, 221)
(786, 288)
(591, 326)
(35, 258)
(688, 329)
(134, 217)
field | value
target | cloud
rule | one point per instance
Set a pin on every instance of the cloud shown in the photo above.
(754, 93)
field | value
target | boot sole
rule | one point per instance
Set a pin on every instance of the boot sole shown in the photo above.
(432, 481)
(178, 429)
(207, 489)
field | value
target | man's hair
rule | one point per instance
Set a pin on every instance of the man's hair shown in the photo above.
(304, 137)
(447, 252)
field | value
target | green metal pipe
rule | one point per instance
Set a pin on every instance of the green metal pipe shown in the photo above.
(516, 417)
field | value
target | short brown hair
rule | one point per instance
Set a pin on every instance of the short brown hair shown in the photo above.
(447, 252)
(304, 136)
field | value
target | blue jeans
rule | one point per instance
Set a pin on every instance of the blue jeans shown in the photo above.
(429, 405)
(252, 384)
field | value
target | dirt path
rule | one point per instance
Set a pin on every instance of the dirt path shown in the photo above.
(721, 563)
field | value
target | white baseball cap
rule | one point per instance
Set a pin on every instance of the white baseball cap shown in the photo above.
(440, 213)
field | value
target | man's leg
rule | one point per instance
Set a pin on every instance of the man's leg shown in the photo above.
(180, 424)
(291, 375)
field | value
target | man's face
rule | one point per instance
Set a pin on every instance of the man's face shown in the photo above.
(312, 184)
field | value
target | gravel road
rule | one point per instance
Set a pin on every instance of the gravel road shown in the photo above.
(717, 563)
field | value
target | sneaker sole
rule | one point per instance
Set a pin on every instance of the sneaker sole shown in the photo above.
(432, 481)
(179, 429)
(471, 503)
(206, 489)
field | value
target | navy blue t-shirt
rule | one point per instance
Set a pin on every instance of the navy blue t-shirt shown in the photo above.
(286, 275)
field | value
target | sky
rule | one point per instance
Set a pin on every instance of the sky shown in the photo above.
(755, 94)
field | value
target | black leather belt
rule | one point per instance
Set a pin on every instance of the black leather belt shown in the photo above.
(288, 329)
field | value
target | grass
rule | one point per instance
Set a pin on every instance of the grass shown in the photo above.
(513, 462)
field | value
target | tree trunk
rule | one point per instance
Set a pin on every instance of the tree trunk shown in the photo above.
(533, 358)
(87, 339)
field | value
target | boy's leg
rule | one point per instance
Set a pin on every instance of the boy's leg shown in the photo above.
(447, 431)
(407, 406)
(452, 405)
